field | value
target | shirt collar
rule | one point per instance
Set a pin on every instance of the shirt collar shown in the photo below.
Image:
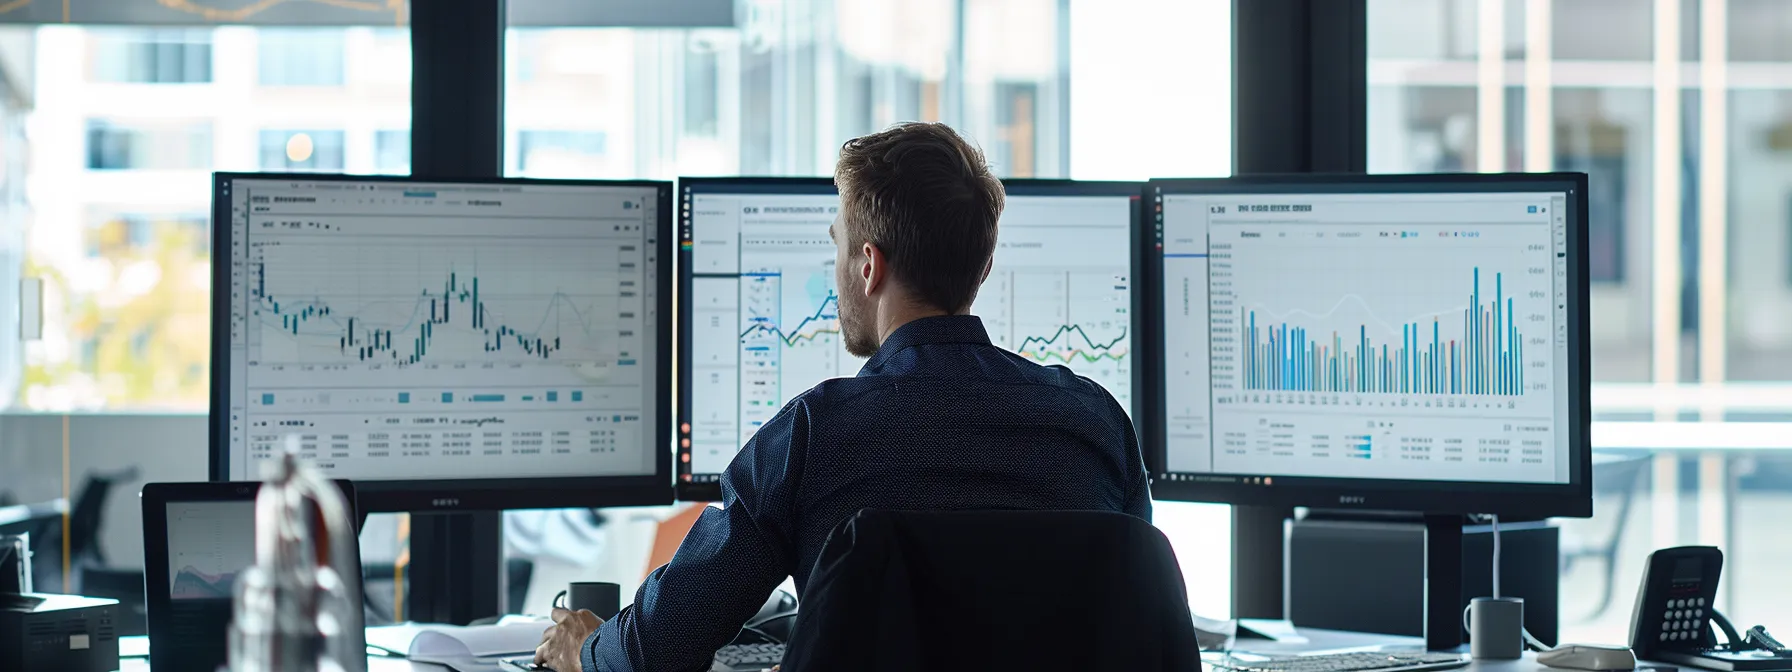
(927, 331)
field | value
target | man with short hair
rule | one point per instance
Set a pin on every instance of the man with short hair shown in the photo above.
(938, 419)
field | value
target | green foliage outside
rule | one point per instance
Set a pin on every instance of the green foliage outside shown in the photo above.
(151, 352)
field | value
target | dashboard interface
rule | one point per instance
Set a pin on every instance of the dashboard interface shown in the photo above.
(759, 298)
(1409, 335)
(395, 330)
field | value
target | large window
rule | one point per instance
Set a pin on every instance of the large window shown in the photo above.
(392, 152)
(1677, 112)
(561, 153)
(152, 56)
(780, 93)
(127, 122)
(322, 151)
(148, 145)
(298, 57)
(127, 126)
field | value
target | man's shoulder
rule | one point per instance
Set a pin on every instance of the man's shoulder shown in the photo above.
(1059, 376)
(998, 371)
(836, 391)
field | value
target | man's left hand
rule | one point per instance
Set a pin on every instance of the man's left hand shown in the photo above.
(562, 644)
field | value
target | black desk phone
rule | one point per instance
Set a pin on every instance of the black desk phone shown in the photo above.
(1674, 618)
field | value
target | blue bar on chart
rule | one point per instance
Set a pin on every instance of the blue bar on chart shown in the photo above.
(1361, 445)
(404, 397)
(578, 396)
(267, 399)
(1487, 360)
(553, 396)
(447, 397)
(486, 398)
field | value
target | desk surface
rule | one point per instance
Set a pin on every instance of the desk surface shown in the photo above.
(374, 664)
(19, 513)
(1316, 640)
(379, 664)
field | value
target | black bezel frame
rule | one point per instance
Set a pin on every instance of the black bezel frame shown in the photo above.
(449, 495)
(708, 491)
(155, 499)
(1573, 499)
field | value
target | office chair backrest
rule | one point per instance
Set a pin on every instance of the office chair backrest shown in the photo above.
(986, 590)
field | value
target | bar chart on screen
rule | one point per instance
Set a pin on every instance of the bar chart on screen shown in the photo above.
(1376, 349)
(1479, 354)
(1421, 328)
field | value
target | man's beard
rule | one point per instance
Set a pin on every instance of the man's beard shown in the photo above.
(860, 338)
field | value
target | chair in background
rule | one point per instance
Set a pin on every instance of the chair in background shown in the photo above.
(986, 590)
(93, 574)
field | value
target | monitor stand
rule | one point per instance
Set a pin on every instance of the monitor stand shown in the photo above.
(456, 567)
(1259, 556)
(1259, 549)
(1443, 582)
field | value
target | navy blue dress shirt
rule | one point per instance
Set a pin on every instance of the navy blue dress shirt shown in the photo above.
(938, 419)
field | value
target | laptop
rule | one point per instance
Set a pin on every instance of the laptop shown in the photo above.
(197, 537)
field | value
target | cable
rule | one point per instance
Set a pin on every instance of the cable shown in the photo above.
(1496, 556)
(757, 627)
(1535, 643)
(769, 639)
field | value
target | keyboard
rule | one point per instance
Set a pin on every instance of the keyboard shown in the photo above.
(1346, 662)
(742, 657)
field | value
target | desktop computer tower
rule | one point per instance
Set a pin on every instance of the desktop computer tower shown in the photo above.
(1369, 575)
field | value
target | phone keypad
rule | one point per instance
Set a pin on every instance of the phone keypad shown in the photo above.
(1683, 620)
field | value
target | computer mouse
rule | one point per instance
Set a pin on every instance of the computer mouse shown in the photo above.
(1595, 657)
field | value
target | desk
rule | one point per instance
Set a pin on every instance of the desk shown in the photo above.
(1317, 639)
(377, 664)
(25, 513)
(1322, 640)
(374, 664)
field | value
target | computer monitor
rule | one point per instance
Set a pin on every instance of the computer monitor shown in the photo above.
(756, 296)
(1389, 342)
(446, 344)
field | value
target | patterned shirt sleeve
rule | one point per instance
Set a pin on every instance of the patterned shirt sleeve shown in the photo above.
(733, 558)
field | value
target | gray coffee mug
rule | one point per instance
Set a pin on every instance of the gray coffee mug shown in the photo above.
(603, 599)
(1496, 628)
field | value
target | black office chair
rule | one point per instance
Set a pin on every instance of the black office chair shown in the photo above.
(988, 590)
(87, 513)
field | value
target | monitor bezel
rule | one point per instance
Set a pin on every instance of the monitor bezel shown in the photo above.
(1528, 500)
(458, 495)
(712, 491)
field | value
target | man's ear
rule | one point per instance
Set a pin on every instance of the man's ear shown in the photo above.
(987, 267)
(875, 270)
